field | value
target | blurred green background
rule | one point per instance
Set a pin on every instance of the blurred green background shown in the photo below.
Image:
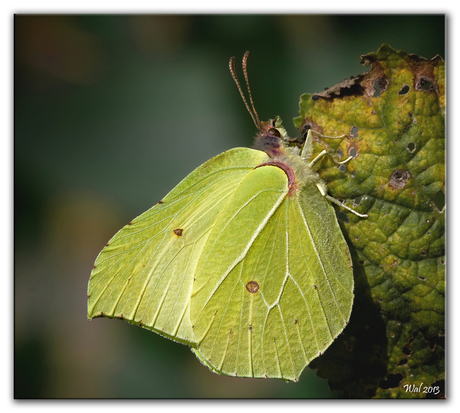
(110, 113)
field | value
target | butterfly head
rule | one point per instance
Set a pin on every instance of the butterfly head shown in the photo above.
(270, 138)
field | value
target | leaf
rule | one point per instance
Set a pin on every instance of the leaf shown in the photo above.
(394, 116)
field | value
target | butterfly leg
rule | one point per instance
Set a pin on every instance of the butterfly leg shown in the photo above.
(308, 148)
(306, 154)
(323, 153)
(323, 189)
(337, 202)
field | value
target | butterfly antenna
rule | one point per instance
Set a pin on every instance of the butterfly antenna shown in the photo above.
(245, 71)
(231, 65)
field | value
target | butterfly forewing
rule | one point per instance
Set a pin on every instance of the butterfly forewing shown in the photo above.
(145, 273)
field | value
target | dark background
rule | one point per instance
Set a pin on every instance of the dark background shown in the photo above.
(110, 113)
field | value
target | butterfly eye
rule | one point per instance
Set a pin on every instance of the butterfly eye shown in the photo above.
(274, 132)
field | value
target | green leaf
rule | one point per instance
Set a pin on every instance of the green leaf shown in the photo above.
(394, 116)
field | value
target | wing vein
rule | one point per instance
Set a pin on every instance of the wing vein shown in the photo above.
(249, 244)
(322, 266)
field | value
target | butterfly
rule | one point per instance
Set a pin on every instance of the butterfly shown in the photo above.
(244, 260)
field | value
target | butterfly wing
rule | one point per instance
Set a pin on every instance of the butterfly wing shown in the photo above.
(145, 273)
(274, 283)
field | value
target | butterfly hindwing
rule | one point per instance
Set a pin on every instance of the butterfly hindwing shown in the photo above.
(267, 306)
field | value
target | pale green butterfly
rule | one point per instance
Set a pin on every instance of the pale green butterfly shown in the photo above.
(243, 260)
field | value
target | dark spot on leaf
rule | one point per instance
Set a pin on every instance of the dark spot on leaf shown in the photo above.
(423, 253)
(431, 342)
(340, 153)
(442, 261)
(353, 152)
(94, 267)
(354, 131)
(296, 321)
(399, 178)
(121, 316)
(406, 350)
(343, 168)
(315, 97)
(391, 382)
(402, 362)
(252, 287)
(315, 287)
(421, 278)
(342, 217)
(380, 85)
(160, 202)
(361, 262)
(410, 114)
(308, 124)
(411, 147)
(439, 200)
(357, 201)
(107, 244)
(304, 131)
(178, 232)
(404, 90)
(231, 334)
(130, 223)
(426, 84)
(353, 174)
(250, 327)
